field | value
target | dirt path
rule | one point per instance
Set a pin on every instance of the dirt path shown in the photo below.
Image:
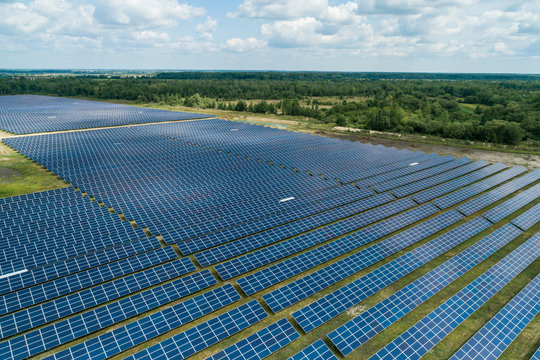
(4, 135)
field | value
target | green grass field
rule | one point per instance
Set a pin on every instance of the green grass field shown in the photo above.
(19, 176)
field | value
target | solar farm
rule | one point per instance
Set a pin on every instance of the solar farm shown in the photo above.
(224, 240)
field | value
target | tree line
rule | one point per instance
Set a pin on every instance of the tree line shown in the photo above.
(494, 108)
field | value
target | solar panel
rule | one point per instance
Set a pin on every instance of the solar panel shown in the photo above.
(438, 179)
(206, 334)
(474, 189)
(276, 234)
(403, 180)
(302, 288)
(33, 114)
(63, 286)
(316, 351)
(425, 334)
(151, 326)
(262, 344)
(536, 355)
(84, 262)
(333, 304)
(447, 187)
(74, 327)
(281, 271)
(213, 233)
(56, 309)
(503, 210)
(496, 194)
(530, 217)
(494, 337)
(278, 251)
(364, 327)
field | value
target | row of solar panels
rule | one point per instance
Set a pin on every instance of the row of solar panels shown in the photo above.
(141, 287)
(216, 329)
(171, 213)
(26, 114)
(469, 232)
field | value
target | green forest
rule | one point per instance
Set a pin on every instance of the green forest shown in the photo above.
(502, 109)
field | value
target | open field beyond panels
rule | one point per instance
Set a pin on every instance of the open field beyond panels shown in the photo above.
(227, 240)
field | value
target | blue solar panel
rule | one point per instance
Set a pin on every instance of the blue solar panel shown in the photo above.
(281, 271)
(437, 179)
(262, 344)
(512, 205)
(496, 194)
(361, 329)
(23, 114)
(458, 183)
(57, 270)
(474, 189)
(83, 324)
(230, 189)
(316, 351)
(404, 180)
(536, 355)
(530, 217)
(149, 327)
(302, 288)
(204, 335)
(59, 287)
(494, 337)
(273, 235)
(425, 334)
(211, 233)
(333, 304)
(70, 304)
(404, 171)
(275, 252)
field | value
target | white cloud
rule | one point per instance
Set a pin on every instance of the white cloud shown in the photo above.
(19, 17)
(241, 45)
(207, 28)
(151, 36)
(342, 14)
(147, 13)
(53, 16)
(280, 9)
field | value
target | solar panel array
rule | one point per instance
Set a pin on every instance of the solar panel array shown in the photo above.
(358, 331)
(220, 211)
(425, 334)
(494, 337)
(26, 114)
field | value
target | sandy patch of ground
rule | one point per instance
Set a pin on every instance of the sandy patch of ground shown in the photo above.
(269, 121)
(356, 310)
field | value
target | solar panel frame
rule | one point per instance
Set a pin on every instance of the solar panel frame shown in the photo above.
(261, 344)
(503, 328)
(426, 333)
(316, 351)
(356, 332)
(331, 305)
(206, 334)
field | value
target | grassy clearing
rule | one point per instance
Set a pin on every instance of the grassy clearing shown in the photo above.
(19, 176)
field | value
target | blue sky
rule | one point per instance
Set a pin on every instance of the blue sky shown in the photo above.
(354, 35)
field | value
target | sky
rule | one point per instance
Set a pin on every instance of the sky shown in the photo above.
(323, 35)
